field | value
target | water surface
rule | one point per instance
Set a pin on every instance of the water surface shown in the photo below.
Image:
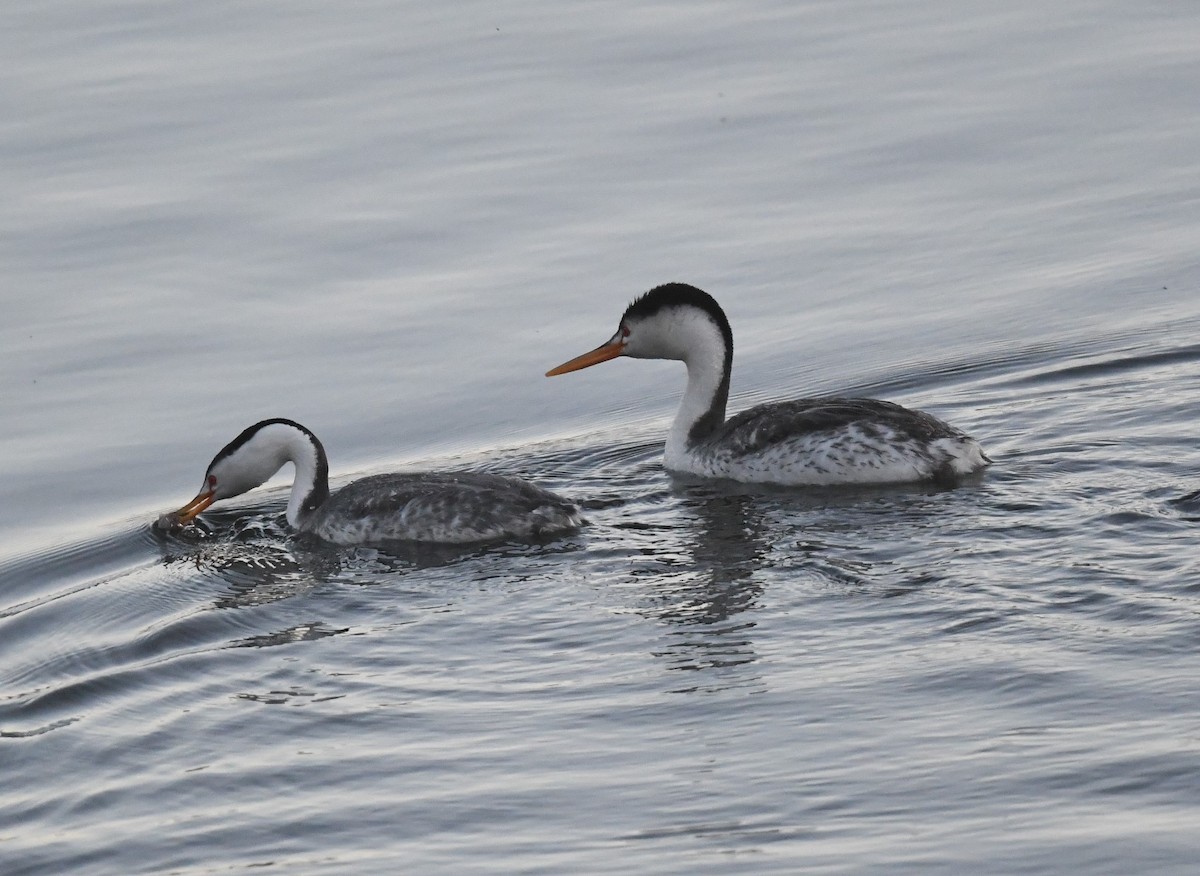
(387, 221)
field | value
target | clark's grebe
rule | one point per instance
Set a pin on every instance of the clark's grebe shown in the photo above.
(446, 507)
(807, 441)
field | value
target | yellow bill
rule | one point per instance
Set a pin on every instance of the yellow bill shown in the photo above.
(603, 353)
(194, 507)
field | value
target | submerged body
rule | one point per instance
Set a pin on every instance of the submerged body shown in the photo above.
(443, 507)
(809, 441)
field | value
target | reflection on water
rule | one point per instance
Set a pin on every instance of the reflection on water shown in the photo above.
(683, 636)
(388, 224)
(1188, 505)
(701, 590)
(261, 559)
(731, 543)
(288, 697)
(299, 633)
(255, 555)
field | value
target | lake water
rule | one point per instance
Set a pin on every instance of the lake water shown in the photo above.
(387, 220)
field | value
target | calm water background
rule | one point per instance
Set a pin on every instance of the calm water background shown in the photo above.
(386, 221)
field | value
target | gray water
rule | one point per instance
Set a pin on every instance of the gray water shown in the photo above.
(387, 221)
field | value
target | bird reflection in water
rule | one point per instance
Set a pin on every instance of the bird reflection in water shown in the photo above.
(261, 559)
(704, 596)
(253, 554)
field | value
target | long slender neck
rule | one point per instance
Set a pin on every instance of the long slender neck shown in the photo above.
(702, 410)
(678, 321)
(310, 488)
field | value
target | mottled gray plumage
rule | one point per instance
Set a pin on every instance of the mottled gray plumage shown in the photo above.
(448, 507)
(809, 441)
(757, 428)
(836, 437)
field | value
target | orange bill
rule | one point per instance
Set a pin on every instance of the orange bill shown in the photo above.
(194, 507)
(603, 353)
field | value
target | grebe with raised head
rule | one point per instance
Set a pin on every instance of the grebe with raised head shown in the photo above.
(806, 441)
(455, 507)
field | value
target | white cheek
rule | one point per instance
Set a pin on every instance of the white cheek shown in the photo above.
(650, 342)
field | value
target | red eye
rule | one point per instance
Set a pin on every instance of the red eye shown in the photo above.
(212, 480)
(624, 330)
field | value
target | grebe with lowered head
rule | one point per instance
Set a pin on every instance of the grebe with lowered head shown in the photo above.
(806, 441)
(446, 507)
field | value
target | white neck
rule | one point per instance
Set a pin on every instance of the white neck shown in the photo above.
(254, 456)
(690, 335)
(706, 374)
(304, 455)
